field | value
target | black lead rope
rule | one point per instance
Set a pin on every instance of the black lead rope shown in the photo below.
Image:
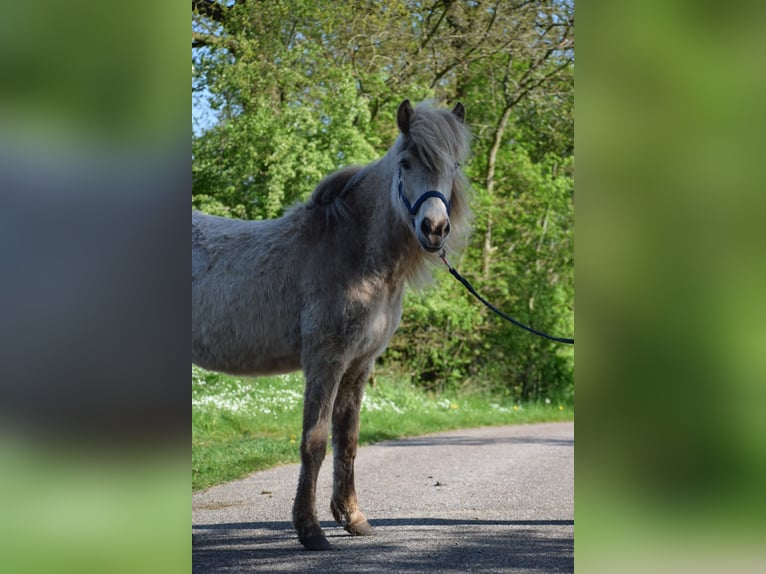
(473, 292)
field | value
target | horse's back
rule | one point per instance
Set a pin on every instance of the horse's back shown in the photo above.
(236, 243)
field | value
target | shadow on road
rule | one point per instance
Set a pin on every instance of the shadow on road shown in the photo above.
(385, 522)
(400, 545)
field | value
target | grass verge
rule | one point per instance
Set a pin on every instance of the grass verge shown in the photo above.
(241, 425)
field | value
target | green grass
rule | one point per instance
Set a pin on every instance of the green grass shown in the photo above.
(240, 425)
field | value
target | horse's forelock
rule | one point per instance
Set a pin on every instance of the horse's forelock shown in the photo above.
(442, 140)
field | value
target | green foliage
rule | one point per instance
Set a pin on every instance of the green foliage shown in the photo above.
(302, 87)
(449, 338)
(288, 115)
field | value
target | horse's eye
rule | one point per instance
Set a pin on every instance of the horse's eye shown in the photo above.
(405, 163)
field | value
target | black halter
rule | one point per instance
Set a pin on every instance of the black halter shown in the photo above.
(413, 208)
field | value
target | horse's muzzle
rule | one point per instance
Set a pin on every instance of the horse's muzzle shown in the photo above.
(432, 235)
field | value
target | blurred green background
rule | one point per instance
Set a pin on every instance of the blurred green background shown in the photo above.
(670, 281)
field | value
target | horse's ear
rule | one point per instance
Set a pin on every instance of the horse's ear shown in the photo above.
(459, 112)
(404, 116)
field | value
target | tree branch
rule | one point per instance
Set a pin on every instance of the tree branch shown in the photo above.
(210, 9)
(432, 31)
(201, 39)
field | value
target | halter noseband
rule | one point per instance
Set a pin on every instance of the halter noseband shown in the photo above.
(413, 208)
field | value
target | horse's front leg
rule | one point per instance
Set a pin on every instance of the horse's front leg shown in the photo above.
(345, 435)
(321, 387)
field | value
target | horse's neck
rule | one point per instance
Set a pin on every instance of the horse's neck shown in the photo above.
(391, 246)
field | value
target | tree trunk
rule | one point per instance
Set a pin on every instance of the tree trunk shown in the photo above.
(489, 184)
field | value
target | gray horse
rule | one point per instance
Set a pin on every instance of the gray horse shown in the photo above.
(320, 288)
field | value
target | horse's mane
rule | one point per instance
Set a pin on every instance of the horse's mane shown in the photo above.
(328, 195)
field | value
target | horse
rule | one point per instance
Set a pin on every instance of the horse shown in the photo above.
(320, 288)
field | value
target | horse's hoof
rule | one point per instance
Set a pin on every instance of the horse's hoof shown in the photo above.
(316, 542)
(362, 528)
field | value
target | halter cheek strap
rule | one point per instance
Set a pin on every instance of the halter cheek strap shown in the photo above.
(412, 208)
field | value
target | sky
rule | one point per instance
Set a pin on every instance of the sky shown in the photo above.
(203, 116)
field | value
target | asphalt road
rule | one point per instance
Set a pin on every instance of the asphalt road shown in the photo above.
(497, 499)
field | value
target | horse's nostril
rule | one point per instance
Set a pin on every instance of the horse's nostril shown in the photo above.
(425, 226)
(446, 229)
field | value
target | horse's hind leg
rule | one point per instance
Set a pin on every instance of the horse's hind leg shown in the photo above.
(321, 387)
(345, 434)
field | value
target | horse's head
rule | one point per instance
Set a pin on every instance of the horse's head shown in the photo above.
(434, 143)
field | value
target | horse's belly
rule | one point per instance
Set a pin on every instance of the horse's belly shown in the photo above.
(240, 341)
(270, 365)
(246, 358)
